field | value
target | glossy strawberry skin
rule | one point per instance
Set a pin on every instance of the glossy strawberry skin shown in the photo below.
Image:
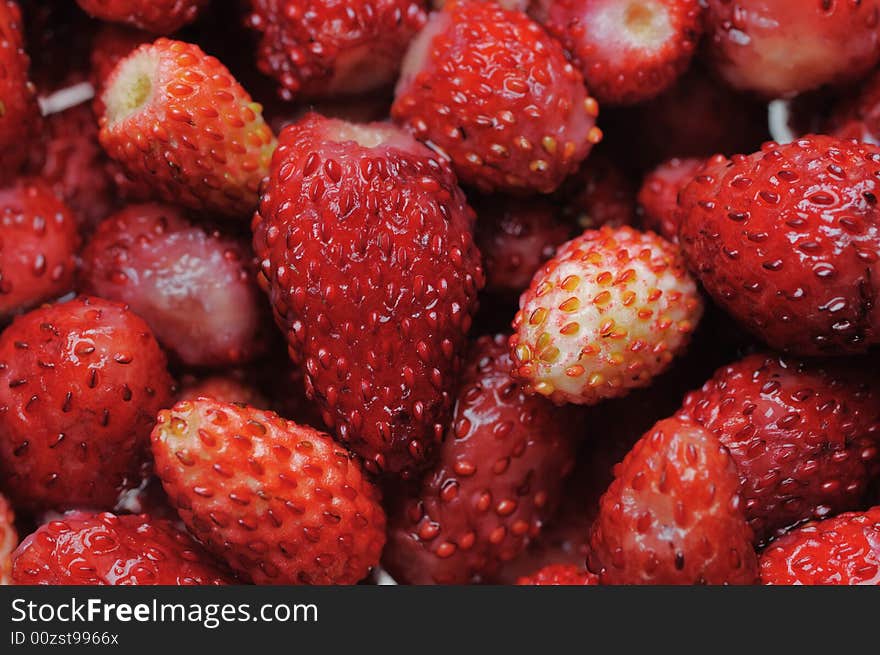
(559, 575)
(279, 502)
(194, 286)
(80, 385)
(627, 53)
(658, 196)
(499, 477)
(177, 120)
(20, 118)
(380, 348)
(38, 244)
(542, 126)
(104, 549)
(673, 514)
(786, 241)
(785, 47)
(156, 16)
(805, 437)
(844, 550)
(8, 541)
(320, 48)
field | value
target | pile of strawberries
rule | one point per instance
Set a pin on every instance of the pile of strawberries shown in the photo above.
(327, 291)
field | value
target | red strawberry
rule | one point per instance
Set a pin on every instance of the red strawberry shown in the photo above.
(333, 47)
(8, 541)
(75, 165)
(195, 287)
(598, 194)
(516, 236)
(157, 16)
(785, 47)
(786, 241)
(80, 385)
(177, 120)
(38, 243)
(104, 549)
(513, 5)
(365, 242)
(279, 502)
(805, 438)
(499, 477)
(658, 197)
(20, 116)
(559, 575)
(228, 388)
(492, 91)
(673, 514)
(627, 51)
(844, 550)
(606, 315)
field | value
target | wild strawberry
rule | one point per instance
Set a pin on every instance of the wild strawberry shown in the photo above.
(333, 47)
(857, 116)
(786, 241)
(627, 51)
(598, 194)
(365, 242)
(516, 236)
(177, 120)
(658, 197)
(805, 438)
(489, 89)
(156, 16)
(82, 548)
(228, 388)
(498, 478)
(279, 502)
(38, 243)
(785, 47)
(606, 315)
(195, 287)
(560, 575)
(8, 541)
(80, 385)
(844, 550)
(673, 514)
(20, 116)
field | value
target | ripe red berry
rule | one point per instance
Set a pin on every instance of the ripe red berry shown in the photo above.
(658, 197)
(489, 89)
(80, 385)
(104, 549)
(560, 574)
(673, 514)
(156, 16)
(280, 503)
(785, 240)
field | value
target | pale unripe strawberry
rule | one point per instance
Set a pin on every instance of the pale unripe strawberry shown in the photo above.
(604, 316)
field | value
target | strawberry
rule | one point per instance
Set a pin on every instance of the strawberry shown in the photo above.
(627, 51)
(785, 47)
(177, 120)
(559, 575)
(658, 197)
(785, 240)
(673, 514)
(365, 245)
(20, 116)
(606, 315)
(498, 478)
(279, 502)
(228, 388)
(516, 236)
(8, 541)
(195, 287)
(320, 48)
(38, 243)
(82, 548)
(513, 5)
(157, 16)
(857, 116)
(805, 437)
(598, 194)
(490, 90)
(844, 550)
(80, 385)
